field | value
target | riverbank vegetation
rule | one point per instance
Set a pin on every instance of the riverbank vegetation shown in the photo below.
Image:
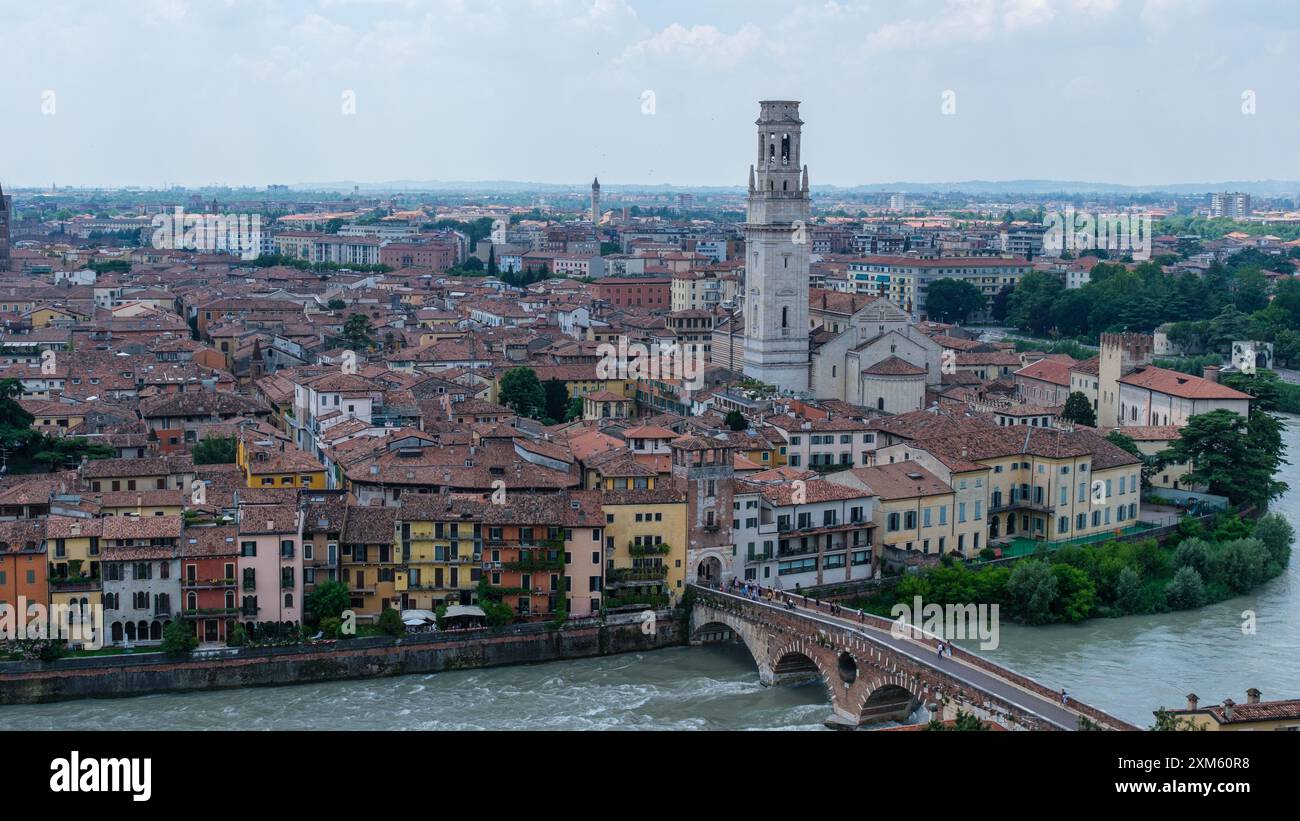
(1198, 566)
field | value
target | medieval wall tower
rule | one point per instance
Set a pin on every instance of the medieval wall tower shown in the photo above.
(776, 248)
(703, 469)
(1121, 354)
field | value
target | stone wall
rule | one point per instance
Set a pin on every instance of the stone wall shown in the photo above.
(139, 674)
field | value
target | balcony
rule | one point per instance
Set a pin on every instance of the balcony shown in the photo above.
(207, 584)
(214, 612)
(76, 584)
(1019, 503)
(758, 558)
(636, 575)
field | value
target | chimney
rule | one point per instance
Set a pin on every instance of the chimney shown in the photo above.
(1192, 701)
(1228, 704)
(1252, 696)
(1211, 372)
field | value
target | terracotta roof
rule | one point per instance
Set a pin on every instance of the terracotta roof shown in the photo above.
(901, 480)
(894, 366)
(1184, 385)
(1051, 370)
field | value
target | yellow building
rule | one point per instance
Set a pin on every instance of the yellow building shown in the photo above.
(1038, 483)
(142, 503)
(441, 543)
(916, 513)
(645, 546)
(72, 547)
(1230, 716)
(369, 560)
(279, 464)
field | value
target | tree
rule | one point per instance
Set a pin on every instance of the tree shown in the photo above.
(736, 421)
(390, 622)
(1233, 456)
(328, 600)
(522, 392)
(574, 411)
(215, 450)
(1000, 303)
(178, 638)
(1030, 305)
(1031, 590)
(1276, 534)
(557, 400)
(1263, 385)
(965, 722)
(1286, 347)
(953, 300)
(1251, 293)
(1079, 410)
(356, 333)
(336, 304)
(1076, 593)
(492, 269)
(1128, 590)
(67, 452)
(1241, 564)
(1185, 590)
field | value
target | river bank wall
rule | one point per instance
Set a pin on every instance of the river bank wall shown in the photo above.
(30, 682)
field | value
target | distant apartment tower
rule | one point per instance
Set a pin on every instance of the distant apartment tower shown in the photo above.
(6, 213)
(685, 202)
(1232, 204)
(897, 202)
(595, 201)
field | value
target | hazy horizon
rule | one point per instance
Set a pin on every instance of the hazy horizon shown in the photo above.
(249, 92)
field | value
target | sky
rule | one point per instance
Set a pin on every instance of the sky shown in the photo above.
(253, 92)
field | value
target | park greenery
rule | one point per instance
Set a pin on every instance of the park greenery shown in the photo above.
(1231, 300)
(1199, 565)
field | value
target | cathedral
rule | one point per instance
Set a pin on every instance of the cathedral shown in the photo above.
(805, 341)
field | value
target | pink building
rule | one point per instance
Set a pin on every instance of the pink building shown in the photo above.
(270, 564)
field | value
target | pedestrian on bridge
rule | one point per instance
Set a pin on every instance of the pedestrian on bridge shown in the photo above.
(1065, 698)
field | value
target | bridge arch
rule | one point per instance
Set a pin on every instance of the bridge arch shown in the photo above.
(816, 660)
(891, 697)
(708, 632)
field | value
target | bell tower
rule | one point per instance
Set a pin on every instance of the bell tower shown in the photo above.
(776, 253)
(595, 201)
(6, 215)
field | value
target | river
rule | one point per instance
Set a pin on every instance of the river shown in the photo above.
(1128, 666)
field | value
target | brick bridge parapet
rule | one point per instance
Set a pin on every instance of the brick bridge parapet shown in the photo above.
(870, 679)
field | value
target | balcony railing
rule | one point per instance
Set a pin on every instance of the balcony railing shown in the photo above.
(211, 612)
(201, 584)
(636, 574)
(74, 585)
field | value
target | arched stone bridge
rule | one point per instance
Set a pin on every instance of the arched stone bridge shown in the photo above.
(872, 675)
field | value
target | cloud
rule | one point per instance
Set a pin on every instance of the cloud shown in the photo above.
(700, 43)
(960, 21)
(1021, 14)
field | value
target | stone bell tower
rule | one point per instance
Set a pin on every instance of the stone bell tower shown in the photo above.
(776, 253)
(6, 215)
